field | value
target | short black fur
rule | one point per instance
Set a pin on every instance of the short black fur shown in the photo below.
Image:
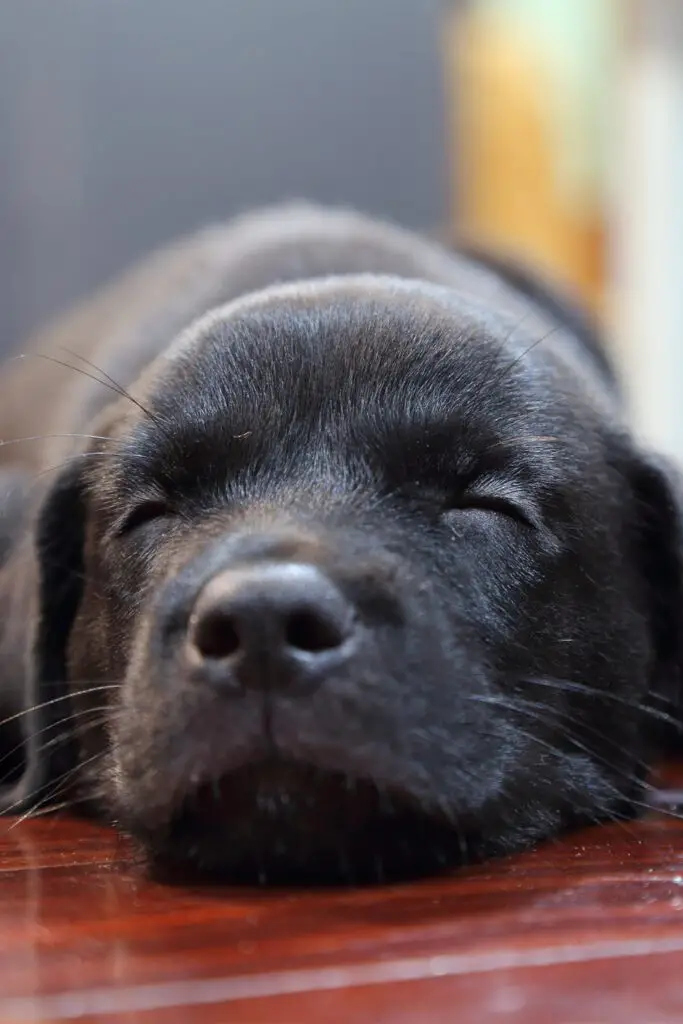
(447, 574)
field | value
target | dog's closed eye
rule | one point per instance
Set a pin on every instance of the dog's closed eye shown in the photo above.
(140, 515)
(494, 504)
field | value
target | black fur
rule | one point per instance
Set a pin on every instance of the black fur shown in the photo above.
(443, 445)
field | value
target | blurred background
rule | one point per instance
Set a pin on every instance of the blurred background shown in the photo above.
(549, 130)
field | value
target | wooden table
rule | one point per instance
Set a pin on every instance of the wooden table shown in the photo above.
(588, 930)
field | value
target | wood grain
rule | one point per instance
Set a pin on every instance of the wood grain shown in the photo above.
(587, 929)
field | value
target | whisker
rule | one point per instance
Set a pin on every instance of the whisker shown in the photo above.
(120, 388)
(44, 812)
(569, 686)
(46, 437)
(607, 810)
(56, 700)
(98, 369)
(69, 726)
(644, 805)
(69, 366)
(531, 309)
(628, 777)
(549, 717)
(117, 384)
(58, 787)
(82, 455)
(111, 385)
(493, 364)
(507, 370)
(34, 479)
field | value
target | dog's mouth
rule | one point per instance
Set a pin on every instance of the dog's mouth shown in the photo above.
(285, 823)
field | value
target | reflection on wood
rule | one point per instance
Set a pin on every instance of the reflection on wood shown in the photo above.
(586, 929)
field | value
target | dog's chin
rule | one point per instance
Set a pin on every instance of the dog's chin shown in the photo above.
(285, 823)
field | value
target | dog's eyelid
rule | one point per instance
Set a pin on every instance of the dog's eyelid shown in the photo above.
(508, 501)
(143, 512)
(494, 503)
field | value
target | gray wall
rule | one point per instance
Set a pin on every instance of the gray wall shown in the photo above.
(126, 122)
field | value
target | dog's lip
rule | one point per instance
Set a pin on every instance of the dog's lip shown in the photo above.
(280, 790)
(291, 803)
(287, 822)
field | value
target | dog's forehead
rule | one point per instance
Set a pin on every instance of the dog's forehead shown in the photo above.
(389, 331)
(358, 296)
(354, 362)
(336, 347)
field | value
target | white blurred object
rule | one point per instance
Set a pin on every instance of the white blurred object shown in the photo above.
(647, 229)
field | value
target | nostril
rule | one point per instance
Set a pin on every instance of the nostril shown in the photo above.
(271, 625)
(313, 633)
(215, 636)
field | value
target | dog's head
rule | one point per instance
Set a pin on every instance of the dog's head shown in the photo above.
(371, 583)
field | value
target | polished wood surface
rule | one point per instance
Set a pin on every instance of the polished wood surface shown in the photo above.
(587, 930)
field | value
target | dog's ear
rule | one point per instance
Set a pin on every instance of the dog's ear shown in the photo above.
(657, 486)
(46, 583)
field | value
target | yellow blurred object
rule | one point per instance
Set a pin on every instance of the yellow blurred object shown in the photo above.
(517, 189)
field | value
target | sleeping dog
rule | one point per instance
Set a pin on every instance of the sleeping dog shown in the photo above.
(328, 555)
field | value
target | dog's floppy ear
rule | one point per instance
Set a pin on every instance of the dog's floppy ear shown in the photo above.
(48, 582)
(658, 489)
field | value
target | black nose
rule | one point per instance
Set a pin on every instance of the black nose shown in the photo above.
(272, 626)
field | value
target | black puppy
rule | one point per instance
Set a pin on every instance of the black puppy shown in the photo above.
(337, 559)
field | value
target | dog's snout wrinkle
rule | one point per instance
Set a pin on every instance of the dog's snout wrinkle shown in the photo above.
(270, 626)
